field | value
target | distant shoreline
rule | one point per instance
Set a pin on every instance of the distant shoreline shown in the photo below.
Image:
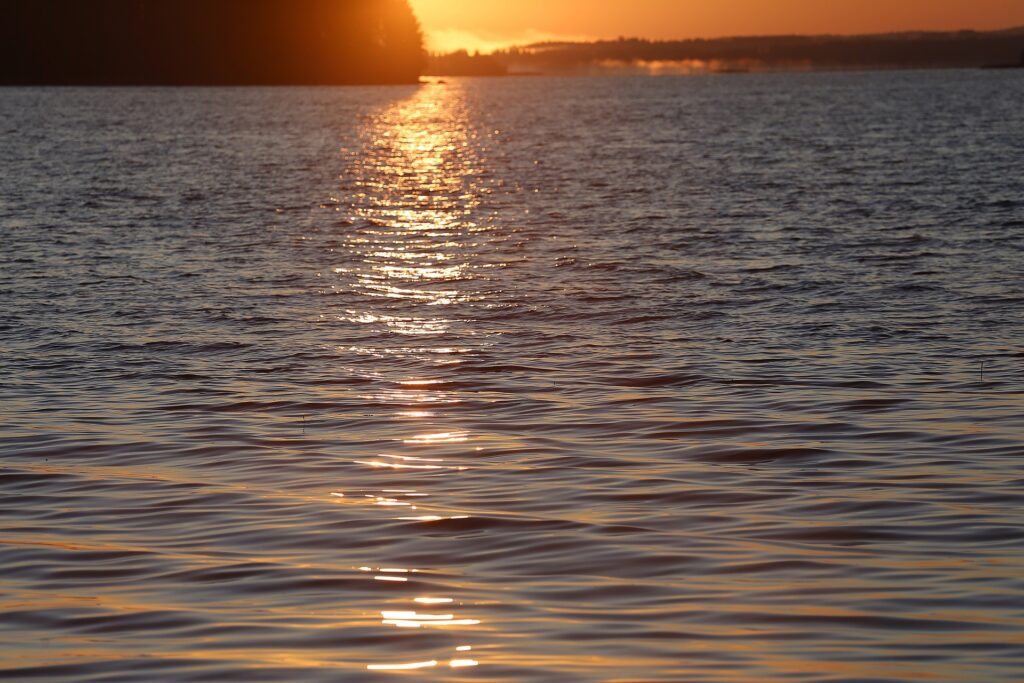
(432, 79)
(923, 50)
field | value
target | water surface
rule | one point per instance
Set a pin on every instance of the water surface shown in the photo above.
(711, 379)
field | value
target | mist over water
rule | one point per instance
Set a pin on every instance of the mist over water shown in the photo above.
(710, 379)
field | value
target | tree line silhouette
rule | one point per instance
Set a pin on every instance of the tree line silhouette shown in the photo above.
(897, 50)
(209, 42)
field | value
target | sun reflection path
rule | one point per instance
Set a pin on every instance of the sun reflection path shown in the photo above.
(412, 205)
(413, 259)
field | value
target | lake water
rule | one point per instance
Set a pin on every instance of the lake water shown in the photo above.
(709, 379)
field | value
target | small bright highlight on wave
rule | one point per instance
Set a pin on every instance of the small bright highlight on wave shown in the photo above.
(402, 667)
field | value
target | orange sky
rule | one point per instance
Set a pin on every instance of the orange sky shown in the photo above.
(485, 24)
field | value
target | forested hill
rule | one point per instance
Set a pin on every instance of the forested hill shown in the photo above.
(896, 50)
(209, 42)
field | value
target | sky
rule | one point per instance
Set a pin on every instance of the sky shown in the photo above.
(490, 24)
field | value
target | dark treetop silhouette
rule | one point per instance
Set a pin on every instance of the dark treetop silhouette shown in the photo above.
(209, 42)
(961, 49)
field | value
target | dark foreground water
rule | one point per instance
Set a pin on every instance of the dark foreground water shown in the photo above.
(515, 380)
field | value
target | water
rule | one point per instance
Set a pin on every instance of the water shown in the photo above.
(683, 379)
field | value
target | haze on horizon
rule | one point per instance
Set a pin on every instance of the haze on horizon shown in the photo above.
(475, 25)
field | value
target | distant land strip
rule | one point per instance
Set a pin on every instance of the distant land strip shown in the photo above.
(919, 50)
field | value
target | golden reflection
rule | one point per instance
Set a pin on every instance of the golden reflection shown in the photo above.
(411, 257)
(440, 438)
(406, 500)
(423, 273)
(432, 518)
(461, 663)
(415, 619)
(404, 462)
(413, 666)
(406, 396)
(415, 191)
(402, 667)
(401, 324)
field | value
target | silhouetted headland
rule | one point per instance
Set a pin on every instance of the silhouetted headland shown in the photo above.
(921, 50)
(209, 42)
